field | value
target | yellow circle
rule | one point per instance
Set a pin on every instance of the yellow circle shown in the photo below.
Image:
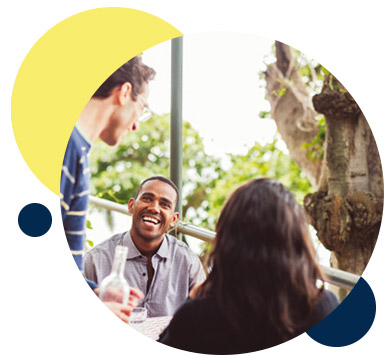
(63, 70)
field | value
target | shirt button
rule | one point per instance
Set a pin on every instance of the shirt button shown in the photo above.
(144, 274)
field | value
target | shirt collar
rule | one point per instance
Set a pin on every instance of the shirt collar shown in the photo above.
(83, 135)
(134, 252)
(163, 249)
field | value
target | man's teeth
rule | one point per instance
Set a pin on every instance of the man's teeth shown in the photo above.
(147, 218)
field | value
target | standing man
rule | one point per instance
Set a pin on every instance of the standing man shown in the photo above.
(158, 264)
(113, 110)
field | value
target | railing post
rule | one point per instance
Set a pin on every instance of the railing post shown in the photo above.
(176, 148)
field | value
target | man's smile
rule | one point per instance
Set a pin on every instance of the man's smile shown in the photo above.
(151, 219)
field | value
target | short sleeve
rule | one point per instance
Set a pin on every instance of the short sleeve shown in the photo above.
(89, 267)
(197, 273)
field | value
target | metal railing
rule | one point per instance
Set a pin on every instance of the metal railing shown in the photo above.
(334, 276)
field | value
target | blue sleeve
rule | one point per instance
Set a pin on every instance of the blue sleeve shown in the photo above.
(91, 284)
(75, 195)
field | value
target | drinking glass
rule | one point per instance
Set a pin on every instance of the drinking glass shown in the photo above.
(138, 315)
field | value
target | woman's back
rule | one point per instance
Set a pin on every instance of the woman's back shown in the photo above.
(262, 288)
(201, 326)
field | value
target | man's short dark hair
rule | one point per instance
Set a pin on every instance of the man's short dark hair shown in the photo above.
(134, 71)
(163, 179)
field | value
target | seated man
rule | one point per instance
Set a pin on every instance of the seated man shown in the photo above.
(159, 265)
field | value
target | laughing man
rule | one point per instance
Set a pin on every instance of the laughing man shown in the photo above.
(158, 264)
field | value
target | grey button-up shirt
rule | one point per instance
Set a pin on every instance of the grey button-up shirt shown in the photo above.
(177, 271)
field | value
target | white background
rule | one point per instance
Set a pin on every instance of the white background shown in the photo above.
(46, 309)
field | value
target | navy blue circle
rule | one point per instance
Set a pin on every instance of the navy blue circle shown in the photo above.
(350, 321)
(34, 219)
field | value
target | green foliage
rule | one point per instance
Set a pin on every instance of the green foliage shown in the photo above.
(313, 75)
(315, 149)
(264, 114)
(118, 171)
(311, 72)
(88, 224)
(260, 161)
(280, 93)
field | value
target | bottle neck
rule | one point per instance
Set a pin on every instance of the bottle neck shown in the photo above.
(119, 261)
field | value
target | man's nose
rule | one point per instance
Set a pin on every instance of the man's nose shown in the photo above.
(154, 206)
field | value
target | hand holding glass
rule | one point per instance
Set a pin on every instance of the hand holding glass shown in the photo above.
(138, 315)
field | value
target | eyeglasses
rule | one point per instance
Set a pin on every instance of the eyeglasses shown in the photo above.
(147, 111)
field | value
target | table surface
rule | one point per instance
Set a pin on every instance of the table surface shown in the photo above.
(152, 327)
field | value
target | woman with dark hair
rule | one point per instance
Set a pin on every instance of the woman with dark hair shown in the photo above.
(264, 287)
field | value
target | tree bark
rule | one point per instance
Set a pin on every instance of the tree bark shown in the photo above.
(348, 214)
(346, 210)
(292, 109)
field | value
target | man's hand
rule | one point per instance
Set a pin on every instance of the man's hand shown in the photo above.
(97, 290)
(116, 295)
(134, 296)
(121, 311)
(114, 299)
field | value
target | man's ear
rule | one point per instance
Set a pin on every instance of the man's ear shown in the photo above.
(130, 205)
(124, 93)
(175, 219)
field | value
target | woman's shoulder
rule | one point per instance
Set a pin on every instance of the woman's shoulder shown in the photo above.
(197, 306)
(193, 312)
(187, 325)
(328, 299)
(326, 303)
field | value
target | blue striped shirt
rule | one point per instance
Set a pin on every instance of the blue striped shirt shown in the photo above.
(75, 181)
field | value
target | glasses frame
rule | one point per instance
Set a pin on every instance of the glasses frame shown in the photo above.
(147, 111)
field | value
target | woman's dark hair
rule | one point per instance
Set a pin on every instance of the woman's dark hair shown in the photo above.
(263, 268)
(134, 71)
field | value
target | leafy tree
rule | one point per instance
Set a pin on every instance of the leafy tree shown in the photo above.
(345, 171)
(267, 160)
(260, 161)
(118, 171)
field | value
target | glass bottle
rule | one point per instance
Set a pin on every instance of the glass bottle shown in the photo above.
(114, 287)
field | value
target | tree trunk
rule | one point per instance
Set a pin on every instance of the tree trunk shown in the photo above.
(292, 109)
(348, 214)
(347, 208)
